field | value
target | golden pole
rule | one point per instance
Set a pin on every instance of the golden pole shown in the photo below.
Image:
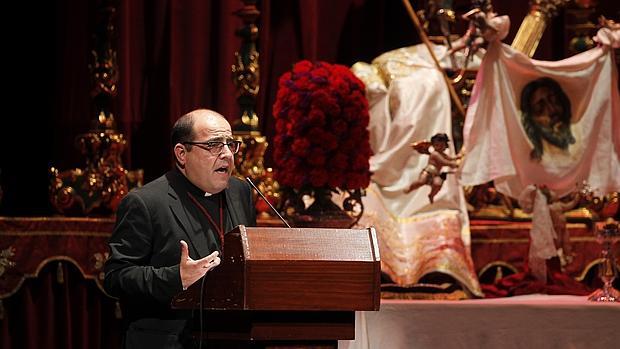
(530, 32)
(418, 26)
(534, 24)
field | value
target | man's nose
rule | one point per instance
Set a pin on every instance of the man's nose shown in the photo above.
(226, 152)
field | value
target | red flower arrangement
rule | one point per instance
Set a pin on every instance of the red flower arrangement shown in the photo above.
(321, 140)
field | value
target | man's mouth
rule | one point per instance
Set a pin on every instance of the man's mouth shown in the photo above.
(223, 169)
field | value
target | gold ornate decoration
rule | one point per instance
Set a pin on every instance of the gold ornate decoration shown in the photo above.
(249, 162)
(496, 270)
(579, 28)
(600, 207)
(100, 258)
(431, 292)
(606, 207)
(99, 187)
(315, 207)
(57, 239)
(104, 68)
(271, 188)
(534, 24)
(246, 77)
(246, 71)
(442, 15)
(5, 259)
(607, 237)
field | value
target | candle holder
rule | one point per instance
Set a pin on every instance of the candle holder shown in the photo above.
(607, 237)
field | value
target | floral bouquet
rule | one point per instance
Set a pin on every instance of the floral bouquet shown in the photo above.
(322, 142)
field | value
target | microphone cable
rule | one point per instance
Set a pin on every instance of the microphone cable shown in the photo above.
(201, 309)
(201, 306)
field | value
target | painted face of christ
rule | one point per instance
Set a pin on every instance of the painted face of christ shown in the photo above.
(546, 115)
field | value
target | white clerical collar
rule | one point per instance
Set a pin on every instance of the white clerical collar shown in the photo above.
(207, 194)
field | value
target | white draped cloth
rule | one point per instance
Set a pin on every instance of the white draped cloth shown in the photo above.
(497, 145)
(542, 234)
(409, 102)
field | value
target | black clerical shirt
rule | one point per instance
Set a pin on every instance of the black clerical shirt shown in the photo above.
(211, 202)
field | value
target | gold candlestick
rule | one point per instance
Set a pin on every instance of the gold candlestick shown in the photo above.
(246, 77)
(607, 237)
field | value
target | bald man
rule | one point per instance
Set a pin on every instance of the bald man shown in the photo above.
(169, 232)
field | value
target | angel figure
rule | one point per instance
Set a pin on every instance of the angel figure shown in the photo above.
(608, 23)
(484, 26)
(431, 174)
(553, 207)
(557, 207)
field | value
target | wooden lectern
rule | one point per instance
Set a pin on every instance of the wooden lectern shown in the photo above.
(288, 286)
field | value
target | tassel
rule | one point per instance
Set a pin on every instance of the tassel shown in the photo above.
(117, 311)
(60, 276)
(1, 310)
(499, 274)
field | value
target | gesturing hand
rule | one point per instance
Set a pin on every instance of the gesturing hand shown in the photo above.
(192, 270)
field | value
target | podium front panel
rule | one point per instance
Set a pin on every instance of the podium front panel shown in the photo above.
(292, 269)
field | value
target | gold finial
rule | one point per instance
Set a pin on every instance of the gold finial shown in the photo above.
(534, 24)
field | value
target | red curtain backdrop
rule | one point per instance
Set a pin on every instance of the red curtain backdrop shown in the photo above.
(73, 314)
(173, 56)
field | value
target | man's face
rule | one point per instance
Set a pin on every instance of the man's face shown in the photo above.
(546, 107)
(210, 171)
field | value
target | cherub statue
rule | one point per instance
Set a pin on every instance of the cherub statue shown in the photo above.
(484, 26)
(608, 23)
(431, 174)
(556, 207)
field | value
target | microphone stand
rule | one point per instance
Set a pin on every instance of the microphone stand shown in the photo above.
(267, 201)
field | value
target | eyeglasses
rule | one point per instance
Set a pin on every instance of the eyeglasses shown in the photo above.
(216, 147)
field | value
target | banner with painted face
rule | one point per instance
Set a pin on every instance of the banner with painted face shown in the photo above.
(545, 123)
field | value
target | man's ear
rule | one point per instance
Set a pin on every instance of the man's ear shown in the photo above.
(179, 154)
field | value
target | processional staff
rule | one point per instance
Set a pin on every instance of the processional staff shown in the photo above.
(418, 26)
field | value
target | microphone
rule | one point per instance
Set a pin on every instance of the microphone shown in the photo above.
(267, 201)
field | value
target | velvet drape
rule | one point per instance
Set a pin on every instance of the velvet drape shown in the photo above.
(72, 314)
(173, 56)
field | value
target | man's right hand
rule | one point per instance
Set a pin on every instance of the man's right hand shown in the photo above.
(192, 270)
